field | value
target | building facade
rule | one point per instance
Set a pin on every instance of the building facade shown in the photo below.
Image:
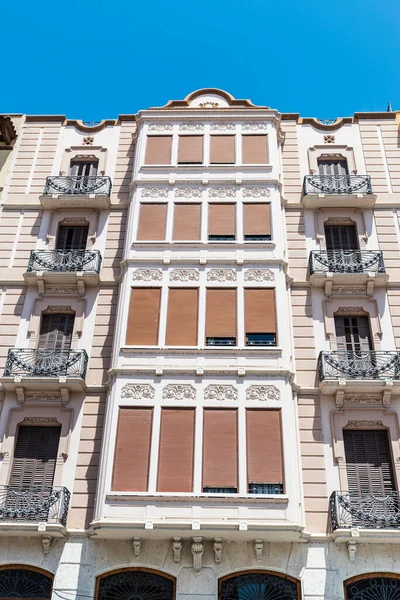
(199, 336)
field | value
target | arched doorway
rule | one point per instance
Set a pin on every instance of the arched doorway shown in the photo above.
(259, 585)
(373, 586)
(135, 584)
(17, 581)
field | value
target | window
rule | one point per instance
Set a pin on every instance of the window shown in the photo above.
(84, 168)
(152, 219)
(25, 583)
(332, 166)
(220, 460)
(158, 150)
(257, 222)
(260, 317)
(135, 584)
(353, 334)
(259, 586)
(132, 450)
(182, 317)
(187, 222)
(221, 317)
(222, 149)
(376, 587)
(221, 222)
(254, 149)
(190, 150)
(72, 238)
(264, 451)
(56, 332)
(143, 317)
(176, 452)
(341, 237)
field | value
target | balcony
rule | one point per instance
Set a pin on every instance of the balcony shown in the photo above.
(24, 508)
(76, 192)
(63, 266)
(367, 371)
(30, 368)
(339, 191)
(342, 267)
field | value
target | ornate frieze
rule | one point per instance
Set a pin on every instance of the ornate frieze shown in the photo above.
(339, 220)
(183, 391)
(42, 396)
(160, 126)
(363, 399)
(147, 275)
(58, 290)
(191, 126)
(344, 290)
(184, 275)
(221, 275)
(222, 192)
(154, 192)
(256, 192)
(59, 308)
(220, 392)
(254, 126)
(262, 392)
(137, 391)
(223, 127)
(259, 275)
(41, 421)
(345, 310)
(188, 192)
(364, 424)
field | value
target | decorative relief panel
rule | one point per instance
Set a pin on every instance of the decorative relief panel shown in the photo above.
(363, 399)
(42, 397)
(138, 391)
(41, 421)
(344, 290)
(154, 192)
(262, 392)
(254, 126)
(223, 127)
(160, 126)
(188, 192)
(147, 275)
(345, 310)
(222, 192)
(184, 275)
(339, 220)
(183, 391)
(364, 424)
(220, 392)
(221, 275)
(256, 192)
(61, 289)
(59, 308)
(259, 275)
(191, 126)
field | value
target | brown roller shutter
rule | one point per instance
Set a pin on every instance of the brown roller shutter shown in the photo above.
(222, 149)
(175, 465)
(254, 150)
(264, 447)
(220, 451)
(257, 219)
(143, 318)
(190, 149)
(221, 313)
(221, 219)
(182, 317)
(187, 221)
(152, 222)
(35, 457)
(158, 150)
(259, 310)
(132, 450)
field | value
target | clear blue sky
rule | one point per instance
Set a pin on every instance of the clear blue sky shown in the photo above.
(94, 59)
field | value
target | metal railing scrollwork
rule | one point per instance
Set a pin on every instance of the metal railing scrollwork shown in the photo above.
(70, 261)
(346, 261)
(48, 504)
(337, 184)
(81, 185)
(345, 364)
(31, 362)
(366, 510)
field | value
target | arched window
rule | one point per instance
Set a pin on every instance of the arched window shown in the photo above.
(135, 584)
(20, 582)
(373, 587)
(259, 586)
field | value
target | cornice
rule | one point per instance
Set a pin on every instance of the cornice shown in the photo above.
(45, 118)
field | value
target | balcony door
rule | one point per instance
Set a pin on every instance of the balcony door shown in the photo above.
(341, 238)
(56, 332)
(84, 168)
(331, 167)
(353, 334)
(35, 457)
(72, 238)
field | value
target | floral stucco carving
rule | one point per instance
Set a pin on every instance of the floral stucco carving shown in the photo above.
(191, 126)
(221, 275)
(220, 392)
(184, 275)
(222, 192)
(138, 391)
(262, 392)
(259, 275)
(255, 127)
(256, 192)
(223, 127)
(183, 391)
(363, 424)
(160, 126)
(188, 192)
(147, 275)
(41, 421)
(154, 192)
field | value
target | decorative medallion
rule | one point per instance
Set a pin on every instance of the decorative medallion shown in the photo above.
(208, 104)
(183, 391)
(259, 275)
(220, 392)
(191, 126)
(256, 192)
(188, 192)
(184, 275)
(88, 140)
(160, 126)
(154, 192)
(329, 139)
(147, 275)
(259, 586)
(374, 588)
(223, 127)
(135, 585)
(138, 391)
(221, 275)
(263, 392)
(222, 192)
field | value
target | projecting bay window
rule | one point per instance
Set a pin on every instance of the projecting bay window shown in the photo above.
(260, 317)
(221, 222)
(221, 317)
(256, 222)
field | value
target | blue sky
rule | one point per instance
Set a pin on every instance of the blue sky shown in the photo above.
(95, 59)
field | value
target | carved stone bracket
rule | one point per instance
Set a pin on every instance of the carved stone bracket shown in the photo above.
(352, 548)
(217, 547)
(176, 549)
(46, 543)
(220, 392)
(183, 391)
(136, 542)
(197, 551)
(262, 392)
(259, 548)
(138, 391)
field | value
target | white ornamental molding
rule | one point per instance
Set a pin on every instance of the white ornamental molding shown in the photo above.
(41, 421)
(138, 391)
(259, 275)
(61, 289)
(43, 396)
(191, 126)
(256, 192)
(365, 424)
(188, 192)
(147, 275)
(154, 192)
(220, 392)
(183, 391)
(222, 192)
(363, 399)
(263, 392)
(344, 290)
(223, 127)
(254, 126)
(184, 275)
(221, 275)
(160, 126)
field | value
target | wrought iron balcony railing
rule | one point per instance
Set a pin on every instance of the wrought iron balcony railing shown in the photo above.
(346, 261)
(49, 504)
(66, 261)
(345, 364)
(31, 362)
(81, 185)
(337, 184)
(366, 510)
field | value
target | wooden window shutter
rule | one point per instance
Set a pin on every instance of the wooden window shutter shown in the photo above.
(56, 331)
(152, 220)
(264, 446)
(187, 221)
(143, 317)
(72, 238)
(190, 149)
(158, 150)
(353, 334)
(221, 219)
(341, 237)
(221, 313)
(222, 149)
(132, 450)
(35, 457)
(257, 219)
(220, 449)
(254, 149)
(182, 317)
(175, 465)
(368, 462)
(259, 310)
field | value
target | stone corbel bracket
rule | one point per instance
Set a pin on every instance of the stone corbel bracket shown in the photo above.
(197, 551)
(46, 543)
(217, 547)
(136, 543)
(259, 548)
(176, 549)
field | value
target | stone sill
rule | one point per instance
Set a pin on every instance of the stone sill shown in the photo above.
(29, 529)
(195, 350)
(206, 498)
